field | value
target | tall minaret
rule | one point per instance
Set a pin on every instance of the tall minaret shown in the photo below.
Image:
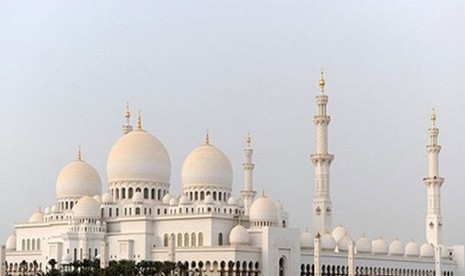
(127, 127)
(321, 159)
(433, 186)
(248, 194)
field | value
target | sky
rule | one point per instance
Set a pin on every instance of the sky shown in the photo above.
(68, 68)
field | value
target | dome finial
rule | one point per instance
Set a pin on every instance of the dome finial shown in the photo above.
(248, 139)
(433, 118)
(127, 114)
(322, 82)
(79, 157)
(207, 137)
(139, 121)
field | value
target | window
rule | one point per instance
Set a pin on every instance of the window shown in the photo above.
(193, 240)
(186, 239)
(220, 239)
(179, 243)
(200, 239)
(146, 193)
(165, 240)
(137, 211)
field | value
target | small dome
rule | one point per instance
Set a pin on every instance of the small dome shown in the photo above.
(38, 216)
(54, 209)
(87, 207)
(327, 242)
(166, 199)
(263, 209)
(396, 248)
(363, 245)
(11, 243)
(67, 259)
(207, 167)
(107, 199)
(239, 236)
(139, 155)
(380, 246)
(137, 198)
(47, 210)
(426, 250)
(412, 250)
(343, 243)
(184, 200)
(232, 201)
(307, 239)
(208, 199)
(339, 232)
(444, 252)
(173, 201)
(78, 179)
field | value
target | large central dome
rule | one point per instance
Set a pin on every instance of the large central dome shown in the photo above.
(139, 155)
(207, 166)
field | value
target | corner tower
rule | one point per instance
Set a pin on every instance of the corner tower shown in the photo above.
(433, 186)
(321, 159)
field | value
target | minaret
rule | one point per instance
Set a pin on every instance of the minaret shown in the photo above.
(127, 127)
(433, 186)
(248, 193)
(321, 159)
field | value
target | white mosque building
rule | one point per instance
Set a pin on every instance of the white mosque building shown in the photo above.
(212, 228)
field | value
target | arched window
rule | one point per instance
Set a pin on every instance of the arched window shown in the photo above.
(202, 195)
(220, 239)
(282, 266)
(109, 212)
(193, 240)
(196, 195)
(214, 195)
(123, 193)
(179, 243)
(219, 196)
(117, 193)
(138, 190)
(130, 193)
(38, 244)
(153, 194)
(137, 211)
(71, 205)
(165, 240)
(28, 245)
(200, 239)
(102, 212)
(33, 247)
(186, 239)
(146, 193)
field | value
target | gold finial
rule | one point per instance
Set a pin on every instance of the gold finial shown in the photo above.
(127, 114)
(433, 118)
(207, 137)
(322, 81)
(79, 157)
(139, 122)
(248, 140)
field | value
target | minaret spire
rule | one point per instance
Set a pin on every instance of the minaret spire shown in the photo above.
(248, 194)
(433, 186)
(79, 155)
(139, 121)
(127, 115)
(321, 159)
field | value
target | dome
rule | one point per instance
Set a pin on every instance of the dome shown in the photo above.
(380, 246)
(396, 248)
(426, 250)
(67, 259)
(11, 243)
(327, 242)
(184, 200)
(137, 197)
(139, 155)
(363, 245)
(38, 216)
(339, 232)
(166, 199)
(47, 210)
(343, 243)
(307, 239)
(98, 198)
(232, 201)
(412, 250)
(239, 236)
(86, 207)
(173, 201)
(54, 209)
(263, 209)
(207, 166)
(78, 179)
(106, 198)
(208, 199)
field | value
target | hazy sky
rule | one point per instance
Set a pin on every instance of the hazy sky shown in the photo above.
(67, 69)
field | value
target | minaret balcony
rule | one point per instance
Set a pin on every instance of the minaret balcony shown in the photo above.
(321, 120)
(321, 158)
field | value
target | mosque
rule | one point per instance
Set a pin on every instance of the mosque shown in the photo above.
(213, 229)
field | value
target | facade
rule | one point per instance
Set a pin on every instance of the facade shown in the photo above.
(208, 226)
